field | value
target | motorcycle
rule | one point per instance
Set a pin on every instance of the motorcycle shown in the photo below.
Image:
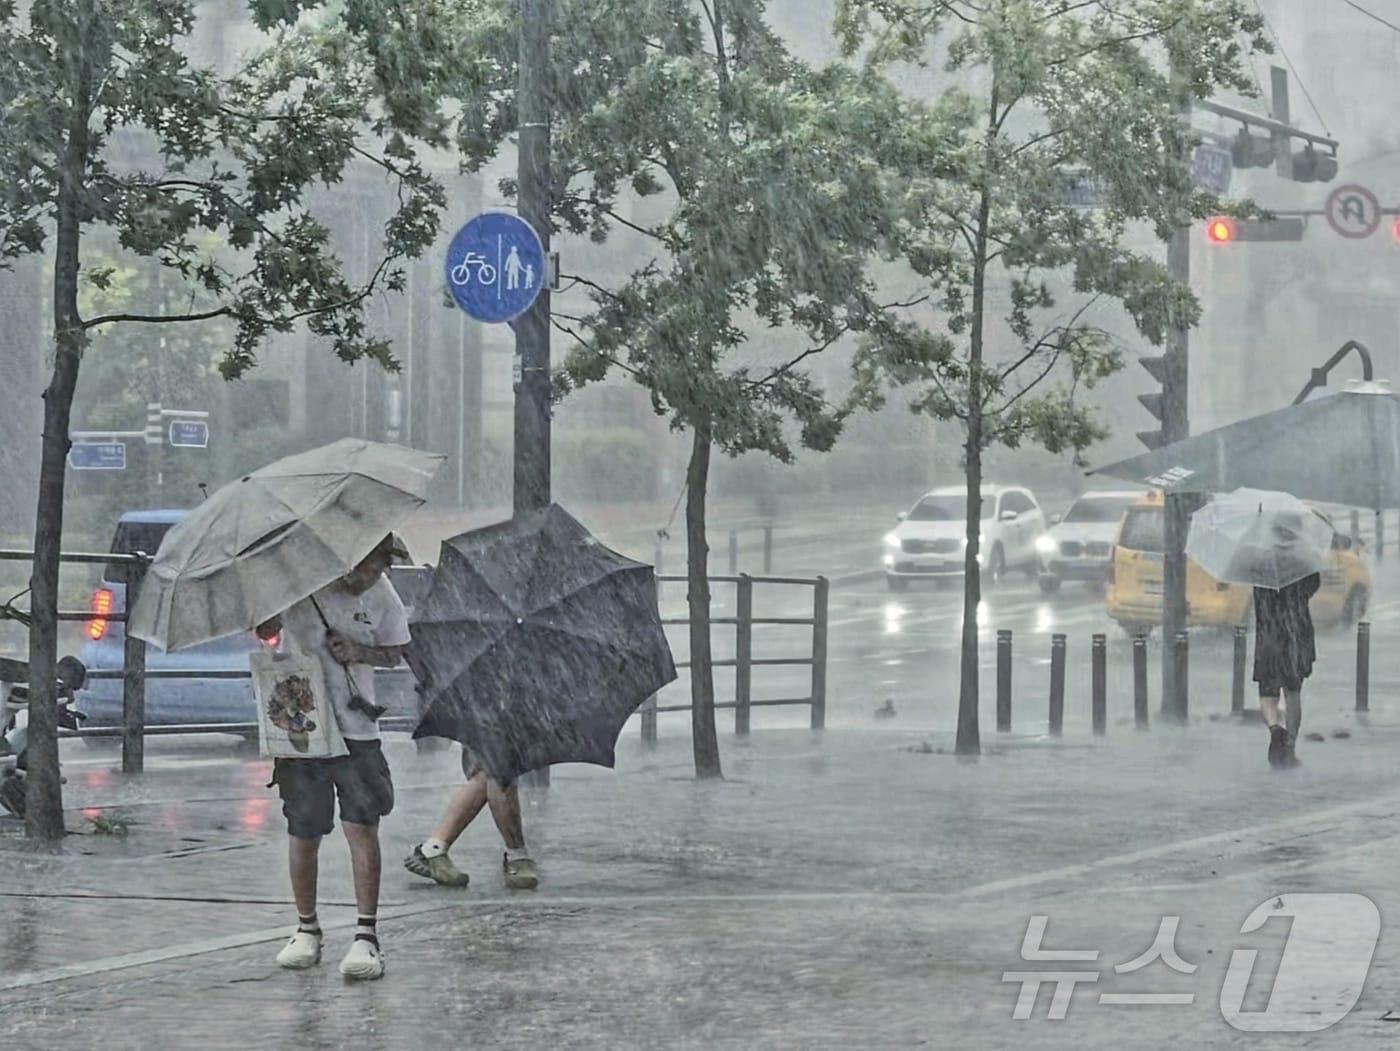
(14, 721)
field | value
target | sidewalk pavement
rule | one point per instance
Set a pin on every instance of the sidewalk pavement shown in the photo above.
(846, 889)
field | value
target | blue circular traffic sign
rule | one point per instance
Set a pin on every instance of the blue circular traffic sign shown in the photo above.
(495, 266)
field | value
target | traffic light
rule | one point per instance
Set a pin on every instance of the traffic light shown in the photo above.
(1251, 151)
(1311, 166)
(1155, 402)
(1221, 229)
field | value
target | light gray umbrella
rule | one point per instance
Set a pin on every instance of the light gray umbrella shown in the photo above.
(1341, 449)
(1263, 539)
(268, 540)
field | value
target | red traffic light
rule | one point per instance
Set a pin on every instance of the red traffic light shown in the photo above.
(1220, 230)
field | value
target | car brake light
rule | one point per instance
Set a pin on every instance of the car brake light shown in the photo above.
(101, 606)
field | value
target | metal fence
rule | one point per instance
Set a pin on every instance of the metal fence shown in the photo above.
(744, 662)
(134, 673)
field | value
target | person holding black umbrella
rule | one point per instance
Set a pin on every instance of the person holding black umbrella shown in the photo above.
(430, 860)
(532, 647)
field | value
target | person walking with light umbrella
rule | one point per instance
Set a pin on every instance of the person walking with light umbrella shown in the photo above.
(1278, 545)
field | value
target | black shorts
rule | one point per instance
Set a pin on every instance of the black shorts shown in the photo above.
(471, 766)
(309, 788)
(1273, 687)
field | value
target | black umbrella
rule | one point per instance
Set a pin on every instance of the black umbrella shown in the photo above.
(1341, 449)
(535, 643)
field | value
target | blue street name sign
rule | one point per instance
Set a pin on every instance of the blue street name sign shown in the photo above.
(1211, 167)
(495, 267)
(189, 434)
(97, 456)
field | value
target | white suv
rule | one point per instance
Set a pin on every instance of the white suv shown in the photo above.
(930, 539)
(1080, 545)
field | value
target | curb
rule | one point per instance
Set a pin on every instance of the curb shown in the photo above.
(859, 577)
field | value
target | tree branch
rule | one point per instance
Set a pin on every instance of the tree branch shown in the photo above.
(843, 331)
(1037, 140)
(589, 347)
(157, 319)
(1044, 341)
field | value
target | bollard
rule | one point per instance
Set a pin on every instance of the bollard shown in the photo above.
(1181, 653)
(1363, 666)
(1057, 684)
(733, 552)
(1355, 526)
(1380, 535)
(1140, 681)
(743, 656)
(1099, 656)
(1237, 680)
(1003, 681)
(767, 549)
(133, 682)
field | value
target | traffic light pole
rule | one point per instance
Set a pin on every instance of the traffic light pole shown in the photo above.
(1177, 510)
(532, 452)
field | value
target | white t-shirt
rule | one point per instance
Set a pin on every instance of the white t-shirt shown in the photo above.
(374, 617)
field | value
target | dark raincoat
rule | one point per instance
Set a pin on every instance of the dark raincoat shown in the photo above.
(1284, 648)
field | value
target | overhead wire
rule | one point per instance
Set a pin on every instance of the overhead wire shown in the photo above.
(1371, 15)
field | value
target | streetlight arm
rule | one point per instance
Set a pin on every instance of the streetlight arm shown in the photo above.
(1319, 376)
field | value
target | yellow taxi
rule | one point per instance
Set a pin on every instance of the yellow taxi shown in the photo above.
(1134, 595)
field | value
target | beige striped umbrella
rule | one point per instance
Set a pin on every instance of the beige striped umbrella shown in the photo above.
(266, 541)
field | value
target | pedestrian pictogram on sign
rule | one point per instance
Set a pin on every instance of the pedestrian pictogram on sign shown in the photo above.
(1353, 211)
(496, 267)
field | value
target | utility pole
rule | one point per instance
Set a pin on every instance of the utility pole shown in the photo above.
(1176, 425)
(155, 454)
(532, 454)
(1172, 370)
(532, 483)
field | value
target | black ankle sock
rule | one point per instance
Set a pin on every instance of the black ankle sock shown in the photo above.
(365, 931)
(309, 924)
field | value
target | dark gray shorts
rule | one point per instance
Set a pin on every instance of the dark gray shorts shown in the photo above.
(471, 766)
(309, 788)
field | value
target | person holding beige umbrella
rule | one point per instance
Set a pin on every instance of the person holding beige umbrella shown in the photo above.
(299, 548)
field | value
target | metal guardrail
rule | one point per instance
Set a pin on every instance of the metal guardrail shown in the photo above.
(134, 674)
(744, 661)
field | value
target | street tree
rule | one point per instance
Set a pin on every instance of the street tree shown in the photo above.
(773, 197)
(761, 189)
(107, 127)
(1042, 93)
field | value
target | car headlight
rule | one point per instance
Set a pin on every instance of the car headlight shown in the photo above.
(1045, 544)
(892, 540)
